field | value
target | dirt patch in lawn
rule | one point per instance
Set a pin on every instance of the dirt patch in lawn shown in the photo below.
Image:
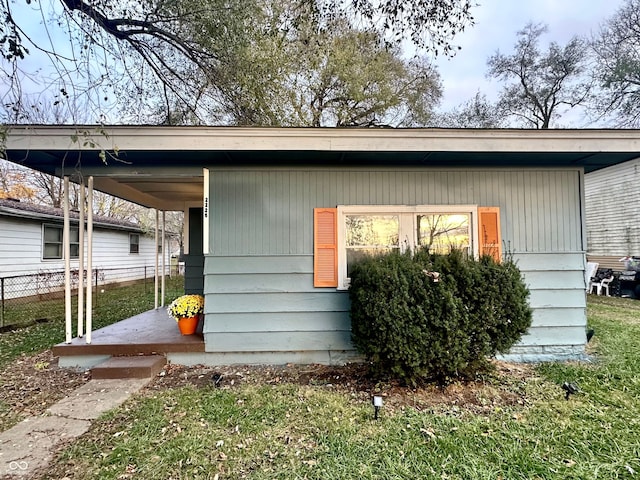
(504, 386)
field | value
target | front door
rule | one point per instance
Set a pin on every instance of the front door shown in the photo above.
(194, 261)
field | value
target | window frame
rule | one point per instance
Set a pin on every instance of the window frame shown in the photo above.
(407, 223)
(137, 252)
(60, 228)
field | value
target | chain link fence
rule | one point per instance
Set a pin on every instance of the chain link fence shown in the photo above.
(30, 298)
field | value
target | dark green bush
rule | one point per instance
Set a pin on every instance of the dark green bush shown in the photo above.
(413, 328)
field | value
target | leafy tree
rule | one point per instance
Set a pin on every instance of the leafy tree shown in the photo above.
(431, 24)
(478, 112)
(542, 85)
(617, 65)
(13, 182)
(306, 73)
(180, 52)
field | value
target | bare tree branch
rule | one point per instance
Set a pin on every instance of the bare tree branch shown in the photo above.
(542, 81)
(617, 68)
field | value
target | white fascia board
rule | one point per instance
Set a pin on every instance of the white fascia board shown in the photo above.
(156, 138)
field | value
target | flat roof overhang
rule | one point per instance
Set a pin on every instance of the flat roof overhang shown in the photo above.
(162, 167)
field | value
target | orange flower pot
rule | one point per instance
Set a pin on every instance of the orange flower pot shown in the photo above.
(188, 325)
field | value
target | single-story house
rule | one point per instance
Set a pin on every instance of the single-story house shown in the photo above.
(32, 254)
(276, 215)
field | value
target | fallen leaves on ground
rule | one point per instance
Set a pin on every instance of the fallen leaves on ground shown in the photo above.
(31, 384)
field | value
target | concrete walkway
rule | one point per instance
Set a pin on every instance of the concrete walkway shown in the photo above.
(27, 448)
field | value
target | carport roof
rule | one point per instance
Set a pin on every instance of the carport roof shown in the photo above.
(161, 167)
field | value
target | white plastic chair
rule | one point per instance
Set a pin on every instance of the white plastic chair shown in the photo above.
(589, 273)
(602, 285)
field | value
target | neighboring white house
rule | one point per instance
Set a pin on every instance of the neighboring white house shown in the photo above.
(612, 211)
(31, 244)
(612, 205)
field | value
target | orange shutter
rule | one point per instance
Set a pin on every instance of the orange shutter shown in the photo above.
(325, 247)
(489, 232)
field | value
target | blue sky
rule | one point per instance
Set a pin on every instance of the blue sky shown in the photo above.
(497, 22)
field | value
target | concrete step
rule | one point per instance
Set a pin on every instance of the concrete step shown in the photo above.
(141, 366)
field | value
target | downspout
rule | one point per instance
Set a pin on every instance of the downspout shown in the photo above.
(66, 245)
(89, 259)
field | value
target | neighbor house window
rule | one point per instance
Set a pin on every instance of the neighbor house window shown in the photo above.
(52, 244)
(134, 243)
(345, 234)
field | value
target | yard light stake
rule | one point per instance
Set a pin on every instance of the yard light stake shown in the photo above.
(377, 404)
(570, 388)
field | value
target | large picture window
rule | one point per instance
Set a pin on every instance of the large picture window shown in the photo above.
(52, 245)
(345, 234)
(368, 230)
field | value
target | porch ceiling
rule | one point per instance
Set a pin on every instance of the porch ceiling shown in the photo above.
(162, 167)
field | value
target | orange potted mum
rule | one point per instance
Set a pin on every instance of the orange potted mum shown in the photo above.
(186, 309)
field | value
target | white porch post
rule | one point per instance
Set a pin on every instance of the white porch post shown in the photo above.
(66, 245)
(155, 269)
(164, 256)
(89, 259)
(81, 270)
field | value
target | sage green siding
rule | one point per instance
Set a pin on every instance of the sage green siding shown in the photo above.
(268, 304)
(259, 272)
(269, 212)
(557, 297)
